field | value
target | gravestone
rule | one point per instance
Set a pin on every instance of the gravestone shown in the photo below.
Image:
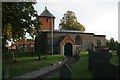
(91, 57)
(98, 55)
(105, 70)
(99, 63)
(103, 55)
(65, 72)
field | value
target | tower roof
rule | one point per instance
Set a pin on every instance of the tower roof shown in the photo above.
(46, 13)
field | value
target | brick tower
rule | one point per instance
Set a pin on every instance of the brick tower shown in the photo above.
(47, 20)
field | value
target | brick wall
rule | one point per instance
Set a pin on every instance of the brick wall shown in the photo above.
(47, 23)
(87, 39)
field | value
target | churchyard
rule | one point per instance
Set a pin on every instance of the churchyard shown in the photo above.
(100, 66)
(55, 52)
(79, 70)
(29, 62)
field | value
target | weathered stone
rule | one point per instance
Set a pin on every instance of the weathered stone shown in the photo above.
(99, 63)
(91, 57)
(65, 72)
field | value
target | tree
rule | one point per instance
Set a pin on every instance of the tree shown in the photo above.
(112, 44)
(17, 19)
(69, 22)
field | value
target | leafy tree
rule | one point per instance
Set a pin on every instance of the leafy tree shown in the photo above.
(17, 19)
(112, 44)
(69, 22)
(116, 45)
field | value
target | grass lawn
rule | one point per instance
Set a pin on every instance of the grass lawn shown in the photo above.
(83, 53)
(80, 68)
(114, 60)
(27, 62)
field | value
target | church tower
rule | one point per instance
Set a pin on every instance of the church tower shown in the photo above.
(47, 20)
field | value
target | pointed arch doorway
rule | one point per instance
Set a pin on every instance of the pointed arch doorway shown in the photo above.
(68, 49)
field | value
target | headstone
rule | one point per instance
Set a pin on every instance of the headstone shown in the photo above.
(65, 72)
(99, 63)
(91, 58)
(103, 55)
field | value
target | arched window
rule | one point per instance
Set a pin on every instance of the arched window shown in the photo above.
(99, 42)
(78, 40)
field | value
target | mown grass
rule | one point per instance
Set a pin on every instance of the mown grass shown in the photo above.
(114, 59)
(83, 53)
(27, 62)
(80, 68)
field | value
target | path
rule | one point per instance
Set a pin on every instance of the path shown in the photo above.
(46, 71)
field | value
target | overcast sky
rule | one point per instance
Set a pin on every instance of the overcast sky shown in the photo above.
(97, 16)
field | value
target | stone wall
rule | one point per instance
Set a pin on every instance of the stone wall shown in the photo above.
(102, 38)
(86, 39)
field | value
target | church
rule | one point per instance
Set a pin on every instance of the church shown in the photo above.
(65, 42)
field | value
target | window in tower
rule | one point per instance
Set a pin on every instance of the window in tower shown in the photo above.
(46, 20)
